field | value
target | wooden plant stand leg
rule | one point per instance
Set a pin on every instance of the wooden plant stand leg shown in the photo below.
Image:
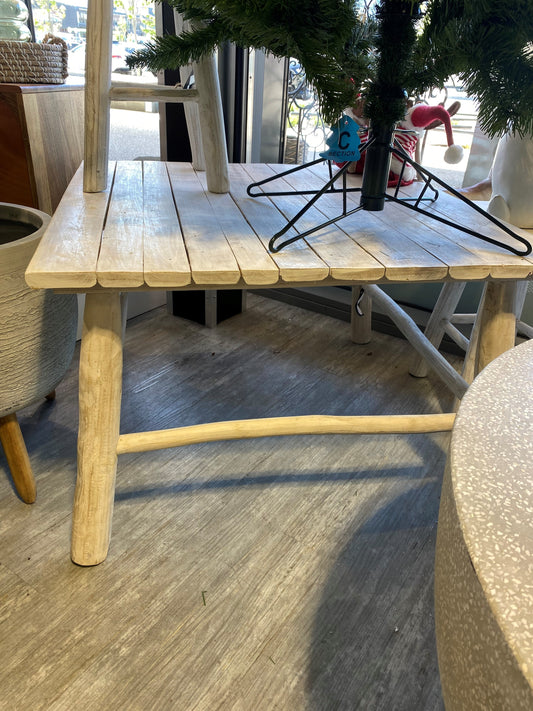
(17, 458)
(361, 325)
(444, 309)
(497, 323)
(100, 385)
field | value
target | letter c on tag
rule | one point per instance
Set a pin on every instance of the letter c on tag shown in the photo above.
(345, 146)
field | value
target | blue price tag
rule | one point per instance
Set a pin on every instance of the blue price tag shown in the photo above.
(343, 141)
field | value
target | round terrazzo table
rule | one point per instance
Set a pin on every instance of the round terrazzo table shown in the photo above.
(484, 560)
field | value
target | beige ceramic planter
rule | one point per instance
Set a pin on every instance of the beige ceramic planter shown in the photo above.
(37, 328)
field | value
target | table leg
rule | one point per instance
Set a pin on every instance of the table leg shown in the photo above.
(361, 316)
(100, 390)
(495, 324)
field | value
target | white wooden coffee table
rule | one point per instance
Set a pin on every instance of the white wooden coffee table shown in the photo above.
(156, 227)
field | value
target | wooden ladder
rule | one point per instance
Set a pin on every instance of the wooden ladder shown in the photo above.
(100, 91)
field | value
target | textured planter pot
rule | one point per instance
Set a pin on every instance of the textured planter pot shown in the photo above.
(37, 328)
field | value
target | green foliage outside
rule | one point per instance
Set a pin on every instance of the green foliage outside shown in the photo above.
(136, 23)
(48, 16)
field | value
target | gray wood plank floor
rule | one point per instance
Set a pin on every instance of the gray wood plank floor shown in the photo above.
(280, 573)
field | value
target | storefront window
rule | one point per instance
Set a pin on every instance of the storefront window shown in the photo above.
(133, 20)
(134, 126)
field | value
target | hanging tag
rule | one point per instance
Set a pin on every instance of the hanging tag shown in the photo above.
(343, 141)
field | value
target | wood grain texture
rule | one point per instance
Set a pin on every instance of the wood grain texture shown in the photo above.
(360, 315)
(41, 143)
(126, 91)
(299, 263)
(283, 426)
(192, 114)
(97, 101)
(99, 422)
(211, 258)
(497, 322)
(334, 247)
(120, 260)
(436, 327)
(493, 255)
(314, 555)
(165, 260)
(17, 180)
(388, 239)
(410, 330)
(227, 238)
(489, 259)
(68, 253)
(55, 132)
(257, 266)
(212, 124)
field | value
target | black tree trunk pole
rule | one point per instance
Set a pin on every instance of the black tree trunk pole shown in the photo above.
(387, 97)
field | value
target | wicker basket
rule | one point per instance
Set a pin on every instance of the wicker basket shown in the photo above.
(34, 63)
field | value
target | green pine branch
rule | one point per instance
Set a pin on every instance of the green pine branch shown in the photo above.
(316, 32)
(487, 45)
(343, 50)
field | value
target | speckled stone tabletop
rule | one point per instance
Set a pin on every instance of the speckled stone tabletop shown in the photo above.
(484, 566)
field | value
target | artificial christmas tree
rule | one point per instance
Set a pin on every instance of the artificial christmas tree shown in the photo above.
(401, 49)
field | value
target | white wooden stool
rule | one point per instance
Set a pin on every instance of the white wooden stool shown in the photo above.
(443, 320)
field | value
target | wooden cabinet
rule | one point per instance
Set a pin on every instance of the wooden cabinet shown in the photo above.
(41, 142)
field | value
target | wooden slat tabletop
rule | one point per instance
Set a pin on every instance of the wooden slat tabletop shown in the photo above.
(157, 227)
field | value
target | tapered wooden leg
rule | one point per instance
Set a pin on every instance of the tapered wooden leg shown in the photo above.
(17, 457)
(100, 386)
(497, 322)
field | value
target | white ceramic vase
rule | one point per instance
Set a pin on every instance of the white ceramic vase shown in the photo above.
(512, 181)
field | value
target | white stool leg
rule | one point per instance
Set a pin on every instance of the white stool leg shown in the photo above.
(444, 309)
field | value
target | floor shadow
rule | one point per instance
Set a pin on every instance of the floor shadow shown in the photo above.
(195, 485)
(373, 643)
